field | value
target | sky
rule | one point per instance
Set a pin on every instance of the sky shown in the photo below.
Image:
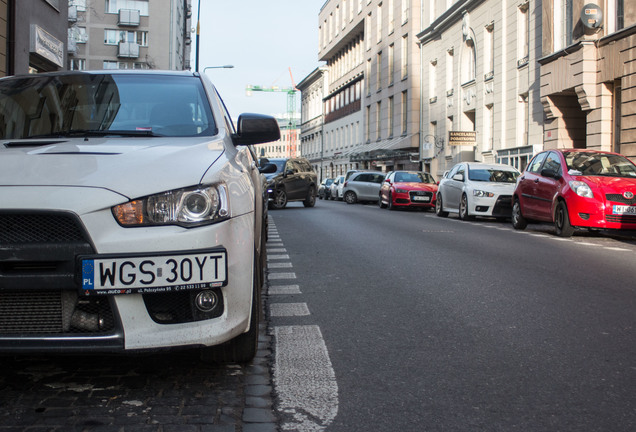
(262, 40)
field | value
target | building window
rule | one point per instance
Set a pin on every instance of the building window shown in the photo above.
(468, 61)
(368, 77)
(489, 51)
(78, 34)
(405, 10)
(391, 60)
(449, 71)
(523, 120)
(114, 37)
(378, 120)
(379, 72)
(489, 127)
(391, 18)
(367, 132)
(113, 6)
(562, 24)
(615, 15)
(405, 111)
(390, 116)
(405, 56)
(379, 23)
(523, 28)
(77, 64)
(80, 4)
(432, 81)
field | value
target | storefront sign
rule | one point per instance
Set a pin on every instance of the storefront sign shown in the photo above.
(46, 46)
(462, 138)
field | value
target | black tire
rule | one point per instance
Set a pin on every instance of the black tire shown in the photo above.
(562, 220)
(518, 221)
(350, 197)
(390, 205)
(463, 209)
(439, 206)
(243, 348)
(310, 201)
(280, 199)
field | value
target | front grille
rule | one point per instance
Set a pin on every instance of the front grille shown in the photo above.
(620, 199)
(624, 219)
(178, 307)
(53, 312)
(503, 206)
(29, 228)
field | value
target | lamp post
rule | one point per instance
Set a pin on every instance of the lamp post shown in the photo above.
(218, 67)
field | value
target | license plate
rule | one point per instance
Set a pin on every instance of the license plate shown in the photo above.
(624, 210)
(153, 273)
(421, 198)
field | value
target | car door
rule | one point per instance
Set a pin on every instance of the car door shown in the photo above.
(454, 187)
(547, 186)
(293, 181)
(527, 185)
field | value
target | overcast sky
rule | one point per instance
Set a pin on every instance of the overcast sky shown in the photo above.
(262, 40)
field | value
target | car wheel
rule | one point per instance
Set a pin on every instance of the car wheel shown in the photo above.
(562, 221)
(350, 197)
(518, 221)
(310, 201)
(380, 203)
(439, 208)
(280, 199)
(242, 348)
(463, 209)
(390, 205)
(320, 195)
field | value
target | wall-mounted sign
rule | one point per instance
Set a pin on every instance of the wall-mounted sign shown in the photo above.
(592, 16)
(46, 46)
(462, 138)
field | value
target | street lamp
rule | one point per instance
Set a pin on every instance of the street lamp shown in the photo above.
(218, 67)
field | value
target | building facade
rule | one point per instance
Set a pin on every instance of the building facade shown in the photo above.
(588, 78)
(34, 33)
(371, 106)
(129, 34)
(312, 91)
(480, 95)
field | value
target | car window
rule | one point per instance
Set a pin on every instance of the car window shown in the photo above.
(70, 105)
(461, 170)
(291, 166)
(553, 162)
(600, 164)
(492, 175)
(452, 172)
(377, 178)
(536, 162)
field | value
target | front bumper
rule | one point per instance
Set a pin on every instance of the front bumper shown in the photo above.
(44, 312)
(498, 206)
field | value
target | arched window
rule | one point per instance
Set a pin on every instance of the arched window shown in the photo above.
(468, 61)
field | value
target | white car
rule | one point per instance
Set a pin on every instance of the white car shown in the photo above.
(335, 190)
(477, 189)
(132, 215)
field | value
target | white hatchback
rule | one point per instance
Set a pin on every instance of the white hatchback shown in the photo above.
(132, 215)
(477, 189)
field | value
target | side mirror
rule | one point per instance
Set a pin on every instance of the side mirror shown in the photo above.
(255, 129)
(547, 172)
(458, 177)
(267, 168)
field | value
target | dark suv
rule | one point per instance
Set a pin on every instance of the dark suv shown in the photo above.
(294, 180)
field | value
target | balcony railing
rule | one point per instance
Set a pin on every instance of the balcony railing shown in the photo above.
(128, 50)
(72, 14)
(128, 17)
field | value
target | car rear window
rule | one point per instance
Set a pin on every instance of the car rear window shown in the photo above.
(75, 104)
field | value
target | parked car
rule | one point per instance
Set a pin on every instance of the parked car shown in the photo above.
(477, 189)
(324, 190)
(362, 186)
(408, 189)
(132, 215)
(294, 180)
(576, 188)
(335, 190)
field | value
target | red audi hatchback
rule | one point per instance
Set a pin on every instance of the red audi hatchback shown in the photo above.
(408, 189)
(576, 188)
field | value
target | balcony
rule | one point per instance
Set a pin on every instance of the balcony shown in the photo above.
(128, 17)
(128, 50)
(71, 46)
(72, 14)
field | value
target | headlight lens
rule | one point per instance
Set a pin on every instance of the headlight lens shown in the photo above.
(186, 207)
(581, 189)
(401, 191)
(481, 193)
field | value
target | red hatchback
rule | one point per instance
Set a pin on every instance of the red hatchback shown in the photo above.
(408, 189)
(576, 188)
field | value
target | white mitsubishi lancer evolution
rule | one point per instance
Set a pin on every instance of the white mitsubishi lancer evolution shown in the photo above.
(132, 215)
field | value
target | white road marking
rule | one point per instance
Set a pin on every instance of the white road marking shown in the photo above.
(304, 379)
(278, 265)
(288, 309)
(283, 289)
(616, 249)
(276, 250)
(278, 276)
(277, 257)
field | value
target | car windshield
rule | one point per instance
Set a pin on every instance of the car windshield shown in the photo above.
(493, 175)
(599, 164)
(84, 104)
(413, 177)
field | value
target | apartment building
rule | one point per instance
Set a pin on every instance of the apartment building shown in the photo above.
(312, 90)
(480, 95)
(371, 106)
(129, 34)
(588, 79)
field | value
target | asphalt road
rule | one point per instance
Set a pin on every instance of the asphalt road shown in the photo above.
(433, 324)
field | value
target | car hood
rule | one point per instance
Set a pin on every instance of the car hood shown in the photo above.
(415, 186)
(610, 184)
(131, 167)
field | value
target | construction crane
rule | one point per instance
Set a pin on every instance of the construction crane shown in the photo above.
(291, 105)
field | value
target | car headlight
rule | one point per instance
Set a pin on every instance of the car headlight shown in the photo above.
(481, 193)
(581, 189)
(187, 207)
(401, 191)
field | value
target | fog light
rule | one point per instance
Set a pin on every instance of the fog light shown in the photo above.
(206, 301)
(584, 216)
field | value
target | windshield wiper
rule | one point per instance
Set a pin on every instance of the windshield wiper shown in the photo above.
(97, 133)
